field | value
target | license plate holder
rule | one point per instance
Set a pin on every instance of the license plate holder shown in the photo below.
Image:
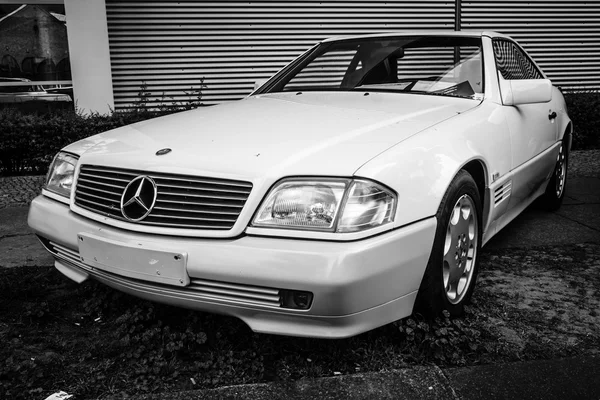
(134, 260)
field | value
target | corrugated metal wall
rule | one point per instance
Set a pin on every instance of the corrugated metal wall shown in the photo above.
(562, 36)
(172, 45)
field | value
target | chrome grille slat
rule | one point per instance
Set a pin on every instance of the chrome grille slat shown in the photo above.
(81, 179)
(189, 210)
(102, 191)
(182, 201)
(94, 196)
(165, 185)
(191, 218)
(104, 170)
(125, 181)
(202, 196)
(97, 204)
(235, 286)
(203, 181)
(161, 201)
(65, 251)
(190, 225)
(236, 292)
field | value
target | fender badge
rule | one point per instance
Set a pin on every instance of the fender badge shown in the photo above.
(162, 152)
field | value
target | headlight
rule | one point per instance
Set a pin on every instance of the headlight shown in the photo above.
(339, 205)
(60, 176)
(368, 205)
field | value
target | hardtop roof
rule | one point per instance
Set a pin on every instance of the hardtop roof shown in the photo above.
(473, 34)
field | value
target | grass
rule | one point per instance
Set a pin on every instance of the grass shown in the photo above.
(94, 342)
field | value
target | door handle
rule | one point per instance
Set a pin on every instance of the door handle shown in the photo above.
(552, 115)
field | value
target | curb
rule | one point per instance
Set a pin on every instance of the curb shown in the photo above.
(566, 378)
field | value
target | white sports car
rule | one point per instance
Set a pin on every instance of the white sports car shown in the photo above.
(353, 188)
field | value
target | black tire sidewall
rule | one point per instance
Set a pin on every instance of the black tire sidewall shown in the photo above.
(550, 201)
(432, 299)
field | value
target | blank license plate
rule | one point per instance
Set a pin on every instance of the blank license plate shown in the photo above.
(139, 262)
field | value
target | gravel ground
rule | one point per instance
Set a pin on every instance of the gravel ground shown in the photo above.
(585, 163)
(20, 190)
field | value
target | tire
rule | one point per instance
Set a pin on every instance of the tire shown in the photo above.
(453, 265)
(555, 191)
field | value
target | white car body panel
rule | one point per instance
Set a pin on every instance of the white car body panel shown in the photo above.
(435, 153)
(413, 144)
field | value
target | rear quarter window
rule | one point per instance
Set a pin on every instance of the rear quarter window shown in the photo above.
(512, 62)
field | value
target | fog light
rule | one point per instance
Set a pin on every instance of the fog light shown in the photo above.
(296, 299)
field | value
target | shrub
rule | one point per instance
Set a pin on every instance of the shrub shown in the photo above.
(583, 110)
(28, 142)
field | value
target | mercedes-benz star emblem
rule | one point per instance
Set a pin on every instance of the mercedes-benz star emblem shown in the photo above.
(162, 152)
(138, 198)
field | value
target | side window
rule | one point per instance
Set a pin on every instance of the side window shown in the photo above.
(512, 62)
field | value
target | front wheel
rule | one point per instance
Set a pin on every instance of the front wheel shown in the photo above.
(452, 269)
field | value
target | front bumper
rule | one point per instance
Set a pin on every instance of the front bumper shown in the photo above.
(357, 286)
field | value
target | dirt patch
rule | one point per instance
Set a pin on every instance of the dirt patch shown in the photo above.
(547, 297)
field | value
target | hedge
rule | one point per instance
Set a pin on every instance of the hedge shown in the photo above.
(28, 142)
(584, 110)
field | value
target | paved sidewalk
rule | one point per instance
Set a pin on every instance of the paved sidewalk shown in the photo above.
(562, 379)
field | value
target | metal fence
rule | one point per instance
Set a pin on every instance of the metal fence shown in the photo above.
(220, 48)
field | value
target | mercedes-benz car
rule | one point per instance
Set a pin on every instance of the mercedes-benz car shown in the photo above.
(353, 188)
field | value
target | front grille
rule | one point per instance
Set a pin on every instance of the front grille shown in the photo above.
(256, 295)
(62, 252)
(182, 201)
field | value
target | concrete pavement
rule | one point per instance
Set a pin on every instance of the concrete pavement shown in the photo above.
(562, 379)
(577, 221)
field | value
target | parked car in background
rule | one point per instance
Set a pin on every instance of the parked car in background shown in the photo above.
(25, 93)
(353, 188)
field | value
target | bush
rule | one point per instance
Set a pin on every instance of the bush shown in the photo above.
(583, 110)
(28, 142)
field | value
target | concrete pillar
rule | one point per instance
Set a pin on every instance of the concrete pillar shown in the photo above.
(87, 33)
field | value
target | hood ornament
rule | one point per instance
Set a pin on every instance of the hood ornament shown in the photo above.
(162, 152)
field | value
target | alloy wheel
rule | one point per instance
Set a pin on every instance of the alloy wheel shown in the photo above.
(460, 249)
(560, 171)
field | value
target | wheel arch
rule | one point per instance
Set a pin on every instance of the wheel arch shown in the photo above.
(568, 132)
(478, 170)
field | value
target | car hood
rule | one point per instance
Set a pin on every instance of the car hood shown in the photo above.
(273, 135)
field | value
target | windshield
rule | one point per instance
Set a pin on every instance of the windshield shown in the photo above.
(448, 66)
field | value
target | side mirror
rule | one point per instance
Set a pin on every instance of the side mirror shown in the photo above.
(525, 91)
(259, 83)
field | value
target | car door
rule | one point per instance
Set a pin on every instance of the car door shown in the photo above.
(532, 127)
